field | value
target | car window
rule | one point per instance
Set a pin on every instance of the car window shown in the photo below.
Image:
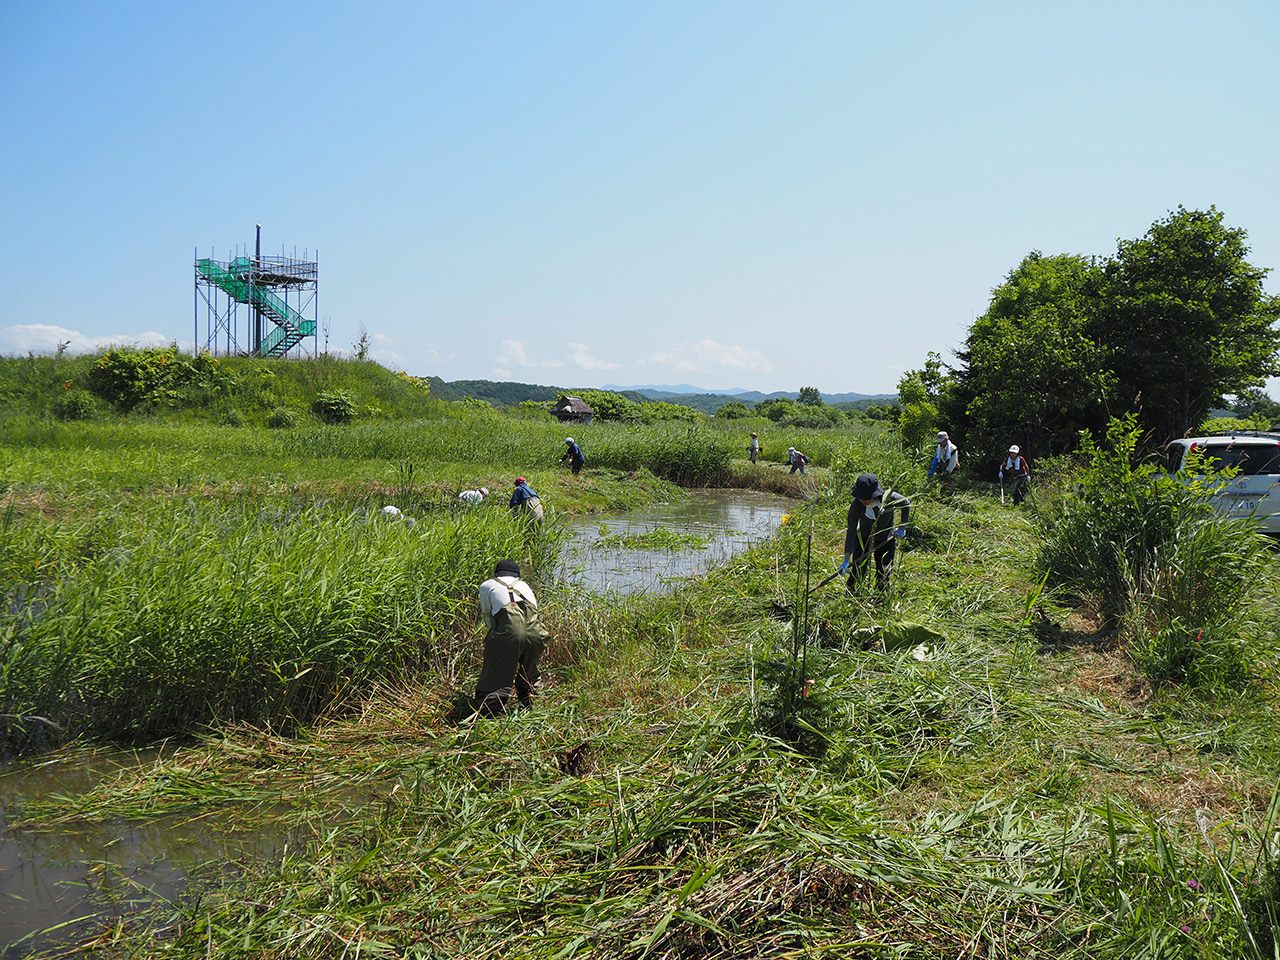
(1249, 459)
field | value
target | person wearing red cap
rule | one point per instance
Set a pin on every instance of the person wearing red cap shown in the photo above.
(524, 502)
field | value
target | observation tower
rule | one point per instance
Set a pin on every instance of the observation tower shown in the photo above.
(280, 294)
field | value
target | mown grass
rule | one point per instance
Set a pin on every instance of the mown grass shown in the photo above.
(1017, 788)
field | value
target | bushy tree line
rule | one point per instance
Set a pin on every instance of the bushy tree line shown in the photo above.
(1168, 327)
(807, 410)
(606, 405)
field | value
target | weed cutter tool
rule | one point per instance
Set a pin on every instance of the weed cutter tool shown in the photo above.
(826, 581)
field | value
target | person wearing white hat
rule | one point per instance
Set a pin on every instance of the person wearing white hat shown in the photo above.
(797, 459)
(573, 453)
(1015, 464)
(946, 462)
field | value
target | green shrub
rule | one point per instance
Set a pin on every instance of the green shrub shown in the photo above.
(282, 418)
(334, 407)
(130, 378)
(733, 410)
(75, 404)
(1230, 425)
(1159, 559)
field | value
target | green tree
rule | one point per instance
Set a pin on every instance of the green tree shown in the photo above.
(606, 405)
(733, 410)
(1254, 404)
(1028, 372)
(1184, 320)
(776, 408)
(917, 395)
(810, 397)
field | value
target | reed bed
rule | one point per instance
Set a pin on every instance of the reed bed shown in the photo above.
(73, 456)
(249, 611)
(1010, 787)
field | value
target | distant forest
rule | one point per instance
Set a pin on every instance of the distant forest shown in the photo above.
(507, 394)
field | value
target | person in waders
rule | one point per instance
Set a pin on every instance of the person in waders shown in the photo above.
(525, 503)
(515, 641)
(1016, 466)
(871, 531)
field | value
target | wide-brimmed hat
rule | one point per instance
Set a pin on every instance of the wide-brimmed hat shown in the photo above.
(506, 568)
(867, 487)
(753, 433)
(942, 435)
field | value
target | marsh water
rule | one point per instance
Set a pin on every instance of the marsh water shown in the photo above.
(625, 553)
(66, 876)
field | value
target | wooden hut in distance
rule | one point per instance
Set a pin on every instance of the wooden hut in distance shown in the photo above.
(571, 409)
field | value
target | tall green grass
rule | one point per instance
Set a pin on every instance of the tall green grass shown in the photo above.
(1157, 557)
(157, 621)
(51, 454)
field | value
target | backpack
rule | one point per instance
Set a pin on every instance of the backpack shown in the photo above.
(523, 617)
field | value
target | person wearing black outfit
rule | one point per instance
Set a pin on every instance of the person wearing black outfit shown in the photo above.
(871, 531)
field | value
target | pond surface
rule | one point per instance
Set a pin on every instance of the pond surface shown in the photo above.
(69, 875)
(647, 550)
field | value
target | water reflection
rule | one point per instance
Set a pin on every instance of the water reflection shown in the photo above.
(89, 872)
(724, 522)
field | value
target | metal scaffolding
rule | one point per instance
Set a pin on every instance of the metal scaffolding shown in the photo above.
(265, 286)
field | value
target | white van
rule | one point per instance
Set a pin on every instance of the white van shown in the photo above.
(1255, 489)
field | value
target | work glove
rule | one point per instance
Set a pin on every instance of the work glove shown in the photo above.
(1001, 474)
(931, 468)
(844, 566)
(900, 532)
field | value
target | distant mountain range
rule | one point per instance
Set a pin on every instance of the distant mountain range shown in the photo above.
(659, 392)
(507, 393)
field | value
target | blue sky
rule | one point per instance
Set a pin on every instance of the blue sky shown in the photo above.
(747, 194)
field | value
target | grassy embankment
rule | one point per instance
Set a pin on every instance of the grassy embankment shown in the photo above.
(1016, 788)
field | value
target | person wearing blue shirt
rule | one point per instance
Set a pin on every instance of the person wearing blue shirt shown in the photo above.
(573, 453)
(524, 502)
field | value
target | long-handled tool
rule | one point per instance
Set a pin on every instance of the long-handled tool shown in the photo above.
(1001, 489)
(826, 581)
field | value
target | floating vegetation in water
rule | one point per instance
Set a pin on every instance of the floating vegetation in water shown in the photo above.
(659, 539)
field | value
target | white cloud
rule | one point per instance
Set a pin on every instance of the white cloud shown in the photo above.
(45, 338)
(514, 354)
(583, 358)
(708, 356)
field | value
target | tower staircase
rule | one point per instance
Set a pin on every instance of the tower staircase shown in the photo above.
(240, 280)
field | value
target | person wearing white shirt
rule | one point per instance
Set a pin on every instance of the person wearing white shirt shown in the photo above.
(513, 643)
(473, 498)
(946, 462)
